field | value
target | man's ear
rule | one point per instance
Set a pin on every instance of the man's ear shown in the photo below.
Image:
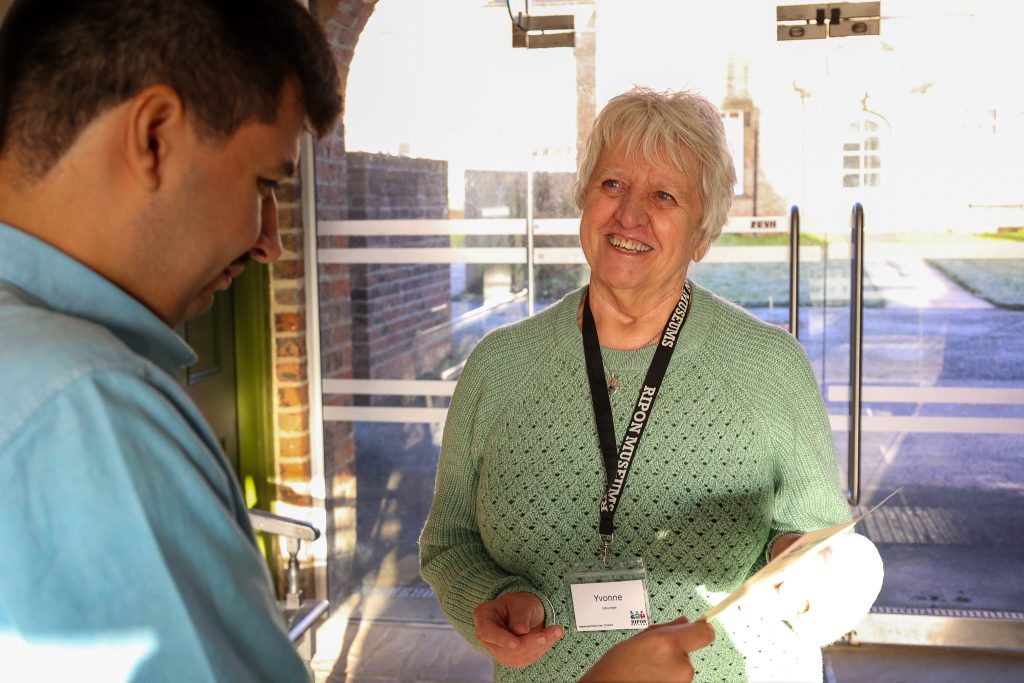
(156, 128)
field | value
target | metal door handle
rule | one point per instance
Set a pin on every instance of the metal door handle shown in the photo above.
(794, 270)
(856, 349)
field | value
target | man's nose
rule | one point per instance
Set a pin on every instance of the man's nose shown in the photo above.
(268, 246)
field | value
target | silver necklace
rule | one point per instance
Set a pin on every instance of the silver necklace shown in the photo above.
(613, 378)
(612, 375)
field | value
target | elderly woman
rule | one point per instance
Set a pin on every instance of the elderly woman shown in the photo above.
(641, 441)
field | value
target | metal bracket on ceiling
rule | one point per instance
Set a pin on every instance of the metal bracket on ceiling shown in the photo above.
(550, 30)
(831, 20)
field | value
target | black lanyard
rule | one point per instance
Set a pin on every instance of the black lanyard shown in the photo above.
(617, 463)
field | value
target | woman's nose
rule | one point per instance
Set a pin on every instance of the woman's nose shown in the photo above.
(632, 210)
(268, 246)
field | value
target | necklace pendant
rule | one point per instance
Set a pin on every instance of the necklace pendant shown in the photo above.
(613, 384)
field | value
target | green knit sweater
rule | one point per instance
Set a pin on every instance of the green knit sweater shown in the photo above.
(738, 450)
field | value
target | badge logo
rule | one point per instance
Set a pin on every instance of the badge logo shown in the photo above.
(637, 618)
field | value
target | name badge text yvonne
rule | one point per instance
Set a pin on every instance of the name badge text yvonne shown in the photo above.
(610, 605)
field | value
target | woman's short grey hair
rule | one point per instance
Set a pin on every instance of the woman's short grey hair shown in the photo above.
(660, 127)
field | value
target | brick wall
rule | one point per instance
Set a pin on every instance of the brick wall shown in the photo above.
(343, 21)
(367, 313)
(288, 315)
(398, 310)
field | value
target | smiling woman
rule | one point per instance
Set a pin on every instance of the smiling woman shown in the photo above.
(725, 439)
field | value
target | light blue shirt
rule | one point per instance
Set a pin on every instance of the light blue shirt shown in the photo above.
(126, 552)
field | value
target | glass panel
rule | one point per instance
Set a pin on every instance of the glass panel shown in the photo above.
(943, 387)
(435, 248)
(943, 382)
(751, 270)
(834, 332)
(943, 416)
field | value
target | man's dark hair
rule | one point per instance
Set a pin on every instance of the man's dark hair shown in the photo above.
(65, 62)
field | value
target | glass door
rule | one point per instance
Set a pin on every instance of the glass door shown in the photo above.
(459, 220)
(929, 151)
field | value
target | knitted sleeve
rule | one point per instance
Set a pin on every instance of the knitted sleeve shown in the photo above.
(453, 558)
(808, 496)
(807, 493)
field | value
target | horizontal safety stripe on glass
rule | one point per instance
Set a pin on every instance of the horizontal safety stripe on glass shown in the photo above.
(836, 392)
(442, 227)
(930, 425)
(838, 248)
(541, 255)
(390, 387)
(839, 423)
(512, 255)
(507, 226)
(972, 395)
(383, 414)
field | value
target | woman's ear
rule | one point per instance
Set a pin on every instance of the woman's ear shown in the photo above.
(700, 244)
(155, 129)
(701, 249)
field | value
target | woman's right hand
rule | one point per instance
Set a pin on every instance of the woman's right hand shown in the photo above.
(658, 653)
(511, 629)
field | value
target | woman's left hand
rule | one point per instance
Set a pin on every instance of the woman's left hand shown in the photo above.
(801, 582)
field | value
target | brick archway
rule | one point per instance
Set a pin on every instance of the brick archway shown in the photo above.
(343, 22)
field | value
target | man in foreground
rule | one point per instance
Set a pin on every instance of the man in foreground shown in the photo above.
(140, 145)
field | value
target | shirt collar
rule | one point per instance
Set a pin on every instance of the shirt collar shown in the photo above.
(63, 284)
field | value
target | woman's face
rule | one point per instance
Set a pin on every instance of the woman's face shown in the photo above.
(638, 223)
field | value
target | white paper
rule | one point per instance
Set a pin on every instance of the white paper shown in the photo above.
(769, 575)
(610, 605)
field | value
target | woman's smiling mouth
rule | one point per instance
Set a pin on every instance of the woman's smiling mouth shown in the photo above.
(627, 245)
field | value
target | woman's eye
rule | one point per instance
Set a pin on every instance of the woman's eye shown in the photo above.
(611, 184)
(664, 196)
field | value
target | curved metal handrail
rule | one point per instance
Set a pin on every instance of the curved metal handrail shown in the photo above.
(283, 526)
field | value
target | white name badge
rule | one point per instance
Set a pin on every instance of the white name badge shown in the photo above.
(609, 598)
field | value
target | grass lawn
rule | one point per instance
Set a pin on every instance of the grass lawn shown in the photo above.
(1014, 235)
(732, 239)
(998, 281)
(757, 285)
